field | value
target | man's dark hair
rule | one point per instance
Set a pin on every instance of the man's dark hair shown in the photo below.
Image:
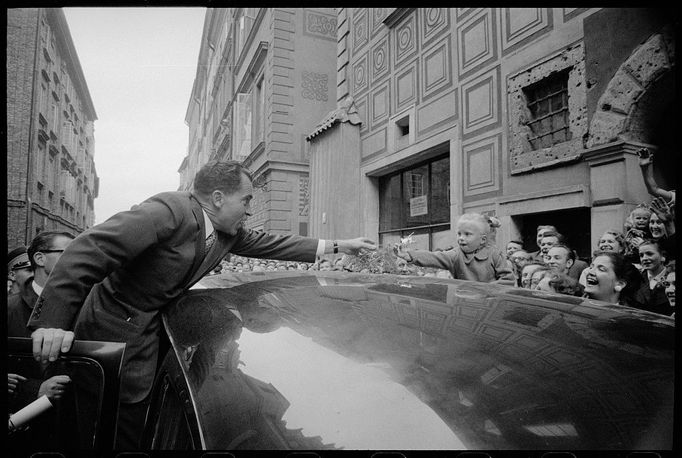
(571, 253)
(560, 238)
(518, 242)
(225, 176)
(43, 241)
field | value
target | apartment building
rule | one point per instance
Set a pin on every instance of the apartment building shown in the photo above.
(51, 176)
(265, 76)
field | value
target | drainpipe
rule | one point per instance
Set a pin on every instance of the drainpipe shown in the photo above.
(31, 138)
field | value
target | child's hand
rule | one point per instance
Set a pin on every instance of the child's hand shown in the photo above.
(399, 251)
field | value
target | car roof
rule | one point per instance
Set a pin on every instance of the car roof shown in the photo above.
(423, 362)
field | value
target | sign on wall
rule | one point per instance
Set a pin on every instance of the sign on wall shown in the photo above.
(418, 206)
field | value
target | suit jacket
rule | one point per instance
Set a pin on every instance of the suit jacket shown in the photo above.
(654, 300)
(19, 308)
(113, 279)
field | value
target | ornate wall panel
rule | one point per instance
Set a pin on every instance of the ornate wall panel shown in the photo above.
(440, 111)
(380, 102)
(360, 33)
(405, 86)
(374, 144)
(360, 76)
(481, 166)
(477, 42)
(405, 40)
(464, 12)
(377, 16)
(522, 25)
(380, 60)
(314, 86)
(481, 103)
(436, 69)
(319, 25)
(434, 22)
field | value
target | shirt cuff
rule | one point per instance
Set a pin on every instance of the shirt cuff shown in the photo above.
(320, 247)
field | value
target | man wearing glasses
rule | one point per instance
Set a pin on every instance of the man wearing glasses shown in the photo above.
(43, 253)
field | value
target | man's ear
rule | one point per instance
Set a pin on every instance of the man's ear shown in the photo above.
(217, 198)
(569, 263)
(39, 259)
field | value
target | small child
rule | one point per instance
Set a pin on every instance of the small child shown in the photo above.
(473, 259)
(636, 230)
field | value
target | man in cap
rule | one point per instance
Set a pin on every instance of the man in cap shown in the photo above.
(18, 269)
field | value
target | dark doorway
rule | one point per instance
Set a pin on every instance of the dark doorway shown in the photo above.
(573, 224)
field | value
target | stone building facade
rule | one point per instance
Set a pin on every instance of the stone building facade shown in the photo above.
(51, 176)
(265, 77)
(533, 115)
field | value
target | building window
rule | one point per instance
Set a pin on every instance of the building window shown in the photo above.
(244, 25)
(540, 117)
(416, 201)
(259, 112)
(242, 127)
(548, 106)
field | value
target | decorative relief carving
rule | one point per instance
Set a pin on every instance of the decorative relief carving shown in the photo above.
(320, 25)
(303, 196)
(405, 39)
(481, 103)
(360, 75)
(380, 60)
(436, 69)
(482, 166)
(378, 16)
(360, 32)
(314, 86)
(477, 42)
(435, 21)
(521, 25)
(405, 88)
(381, 103)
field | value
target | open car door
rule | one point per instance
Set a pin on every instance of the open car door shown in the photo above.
(85, 417)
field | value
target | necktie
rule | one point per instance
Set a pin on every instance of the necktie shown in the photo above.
(210, 240)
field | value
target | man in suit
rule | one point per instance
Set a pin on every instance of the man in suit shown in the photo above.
(114, 279)
(42, 255)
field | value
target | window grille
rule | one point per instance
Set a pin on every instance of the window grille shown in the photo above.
(548, 105)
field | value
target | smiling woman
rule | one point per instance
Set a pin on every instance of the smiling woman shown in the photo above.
(611, 278)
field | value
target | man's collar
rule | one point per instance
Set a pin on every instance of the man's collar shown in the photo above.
(36, 287)
(207, 221)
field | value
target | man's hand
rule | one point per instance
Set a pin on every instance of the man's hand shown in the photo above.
(49, 342)
(13, 381)
(399, 251)
(354, 246)
(54, 387)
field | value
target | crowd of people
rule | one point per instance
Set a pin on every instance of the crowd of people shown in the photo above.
(632, 264)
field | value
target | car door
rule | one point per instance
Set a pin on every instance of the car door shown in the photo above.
(85, 417)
